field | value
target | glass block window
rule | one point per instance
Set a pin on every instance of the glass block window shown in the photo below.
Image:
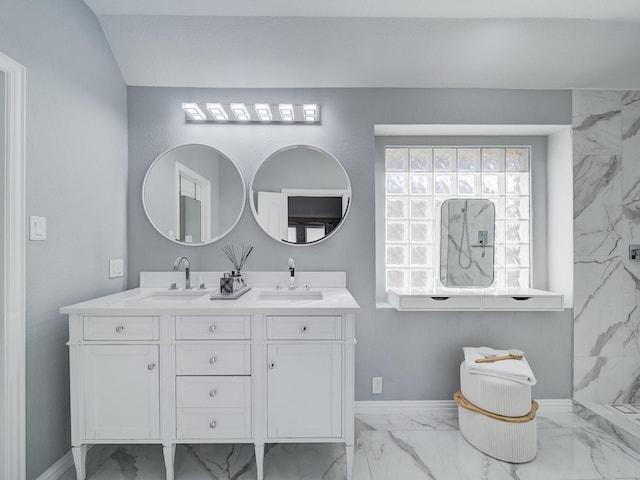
(419, 179)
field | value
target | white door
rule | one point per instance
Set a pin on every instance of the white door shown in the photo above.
(273, 214)
(304, 391)
(122, 396)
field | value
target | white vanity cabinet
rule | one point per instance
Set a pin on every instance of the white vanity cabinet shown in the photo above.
(201, 371)
(304, 376)
(122, 392)
(213, 382)
(304, 391)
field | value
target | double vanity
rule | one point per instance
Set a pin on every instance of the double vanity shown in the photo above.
(159, 366)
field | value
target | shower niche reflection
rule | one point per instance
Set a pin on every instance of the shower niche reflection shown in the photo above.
(467, 242)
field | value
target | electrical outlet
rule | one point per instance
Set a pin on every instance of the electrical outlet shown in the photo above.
(116, 268)
(376, 385)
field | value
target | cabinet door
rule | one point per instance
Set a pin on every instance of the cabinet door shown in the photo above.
(122, 397)
(304, 391)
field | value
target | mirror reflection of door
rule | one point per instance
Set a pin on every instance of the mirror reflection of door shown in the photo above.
(194, 205)
(311, 218)
(273, 214)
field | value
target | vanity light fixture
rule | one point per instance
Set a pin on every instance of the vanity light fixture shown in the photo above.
(264, 112)
(240, 111)
(258, 113)
(310, 112)
(217, 112)
(193, 111)
(286, 112)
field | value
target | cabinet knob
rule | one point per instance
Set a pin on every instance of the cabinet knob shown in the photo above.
(212, 328)
(304, 328)
(151, 366)
(213, 393)
(272, 365)
(119, 328)
(212, 424)
(212, 360)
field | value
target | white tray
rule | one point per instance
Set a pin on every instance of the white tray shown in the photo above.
(229, 296)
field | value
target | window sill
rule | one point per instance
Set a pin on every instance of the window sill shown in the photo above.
(458, 299)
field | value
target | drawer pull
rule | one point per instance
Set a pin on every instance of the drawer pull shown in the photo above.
(120, 328)
(212, 424)
(212, 328)
(521, 298)
(213, 393)
(151, 366)
(272, 365)
(440, 298)
(212, 360)
(304, 328)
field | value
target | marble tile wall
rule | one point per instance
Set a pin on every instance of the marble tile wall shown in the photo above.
(606, 163)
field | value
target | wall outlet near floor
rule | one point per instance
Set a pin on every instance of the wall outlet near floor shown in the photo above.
(116, 268)
(376, 385)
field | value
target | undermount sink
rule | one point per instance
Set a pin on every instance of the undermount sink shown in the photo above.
(291, 295)
(172, 296)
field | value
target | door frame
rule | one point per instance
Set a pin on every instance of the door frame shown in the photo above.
(13, 321)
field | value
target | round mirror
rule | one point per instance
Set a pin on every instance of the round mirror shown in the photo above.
(300, 195)
(193, 194)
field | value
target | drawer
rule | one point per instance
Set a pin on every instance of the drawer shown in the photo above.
(325, 327)
(213, 359)
(213, 392)
(223, 327)
(121, 328)
(203, 423)
(522, 303)
(433, 302)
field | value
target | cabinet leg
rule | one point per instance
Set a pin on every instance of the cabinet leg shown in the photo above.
(169, 452)
(80, 461)
(349, 458)
(259, 462)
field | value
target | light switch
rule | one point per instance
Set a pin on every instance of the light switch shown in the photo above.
(37, 228)
(116, 268)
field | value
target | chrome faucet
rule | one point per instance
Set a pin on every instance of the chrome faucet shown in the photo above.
(176, 266)
(292, 274)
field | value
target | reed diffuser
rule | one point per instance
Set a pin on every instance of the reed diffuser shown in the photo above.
(238, 262)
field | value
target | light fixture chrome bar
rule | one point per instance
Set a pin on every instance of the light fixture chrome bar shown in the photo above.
(193, 111)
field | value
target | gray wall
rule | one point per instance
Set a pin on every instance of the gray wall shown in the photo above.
(76, 175)
(2, 153)
(418, 354)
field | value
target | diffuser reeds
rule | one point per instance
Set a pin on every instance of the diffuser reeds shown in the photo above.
(237, 261)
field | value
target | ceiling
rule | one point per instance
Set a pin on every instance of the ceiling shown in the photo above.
(375, 43)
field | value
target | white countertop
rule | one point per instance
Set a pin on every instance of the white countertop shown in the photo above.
(130, 302)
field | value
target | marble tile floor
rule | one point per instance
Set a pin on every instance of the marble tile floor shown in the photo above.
(388, 447)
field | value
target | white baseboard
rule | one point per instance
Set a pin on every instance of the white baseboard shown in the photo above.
(58, 469)
(547, 406)
(61, 467)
